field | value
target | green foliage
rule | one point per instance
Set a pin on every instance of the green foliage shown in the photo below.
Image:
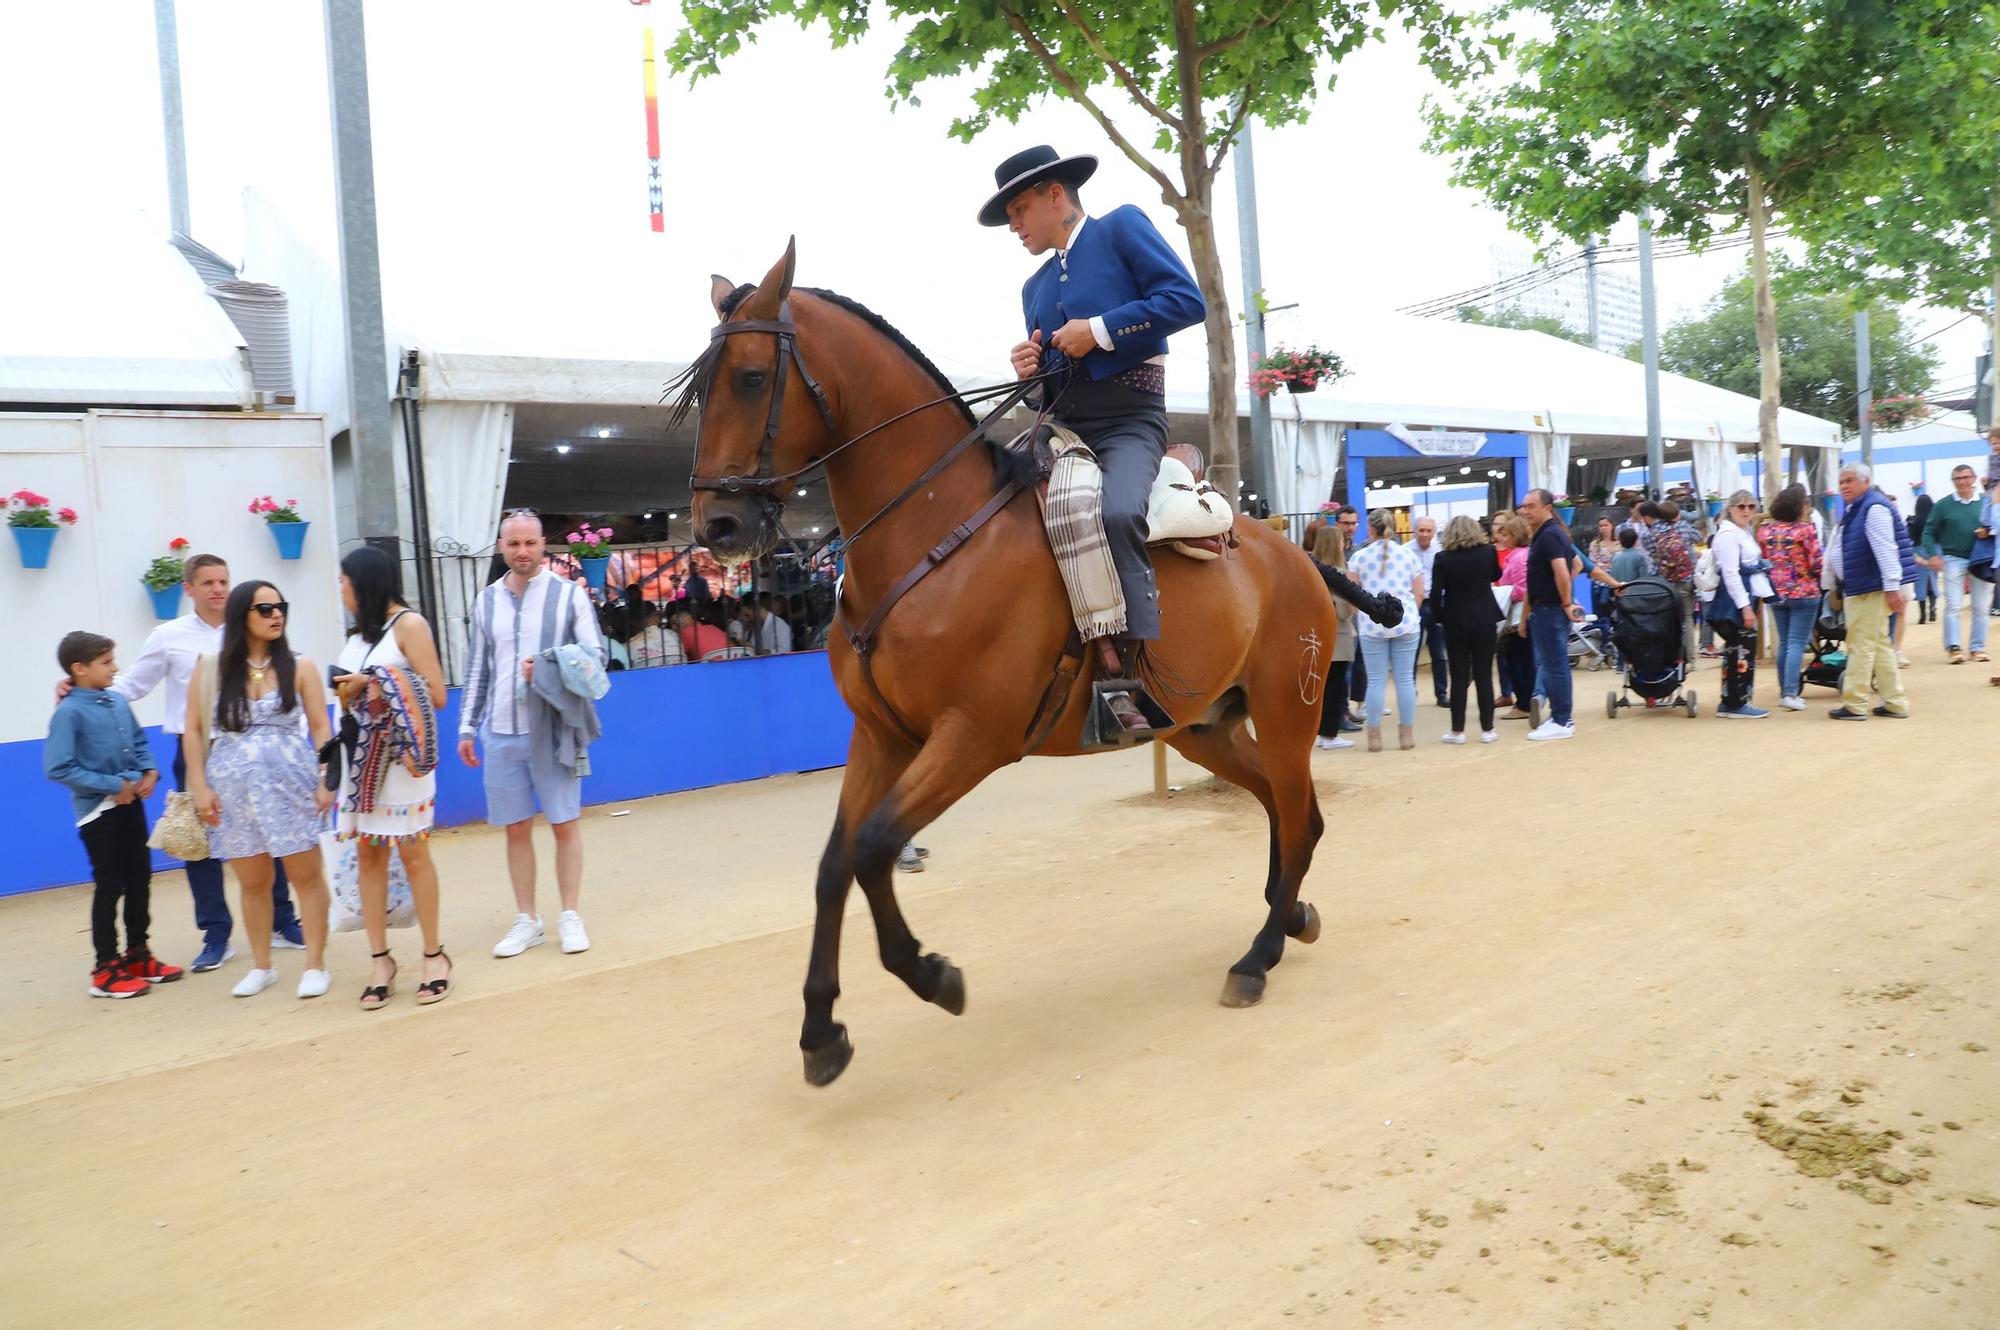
(1816, 343)
(1275, 56)
(1523, 321)
(1706, 91)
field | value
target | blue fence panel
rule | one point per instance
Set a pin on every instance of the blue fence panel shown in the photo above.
(679, 728)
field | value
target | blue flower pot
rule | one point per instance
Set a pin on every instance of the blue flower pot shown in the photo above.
(291, 537)
(593, 571)
(1715, 508)
(34, 542)
(166, 602)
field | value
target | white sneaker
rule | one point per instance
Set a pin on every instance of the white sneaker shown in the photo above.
(526, 932)
(255, 982)
(569, 926)
(1336, 743)
(1489, 736)
(1550, 730)
(908, 860)
(279, 942)
(1792, 703)
(1902, 661)
(314, 983)
(1452, 737)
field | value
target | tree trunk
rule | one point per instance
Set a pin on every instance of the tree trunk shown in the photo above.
(1767, 340)
(1224, 465)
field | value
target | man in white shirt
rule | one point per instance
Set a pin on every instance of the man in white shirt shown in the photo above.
(774, 634)
(1426, 547)
(526, 612)
(168, 657)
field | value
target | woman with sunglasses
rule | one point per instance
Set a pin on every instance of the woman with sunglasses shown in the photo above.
(1745, 584)
(253, 769)
(398, 813)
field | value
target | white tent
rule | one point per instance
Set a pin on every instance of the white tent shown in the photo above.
(108, 313)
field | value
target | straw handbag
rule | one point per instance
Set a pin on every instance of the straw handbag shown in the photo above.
(180, 832)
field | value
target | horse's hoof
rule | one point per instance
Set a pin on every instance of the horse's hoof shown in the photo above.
(1305, 922)
(824, 1064)
(950, 988)
(1242, 990)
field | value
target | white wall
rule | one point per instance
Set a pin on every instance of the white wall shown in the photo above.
(137, 479)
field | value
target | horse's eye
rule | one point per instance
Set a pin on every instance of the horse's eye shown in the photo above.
(751, 380)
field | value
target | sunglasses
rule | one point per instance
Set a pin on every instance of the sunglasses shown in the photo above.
(272, 609)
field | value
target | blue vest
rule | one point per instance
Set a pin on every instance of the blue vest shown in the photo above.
(1859, 573)
(1121, 270)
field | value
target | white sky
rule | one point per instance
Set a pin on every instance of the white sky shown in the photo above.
(510, 173)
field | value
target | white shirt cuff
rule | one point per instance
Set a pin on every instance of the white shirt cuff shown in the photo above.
(1101, 333)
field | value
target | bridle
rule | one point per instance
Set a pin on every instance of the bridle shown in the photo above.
(767, 486)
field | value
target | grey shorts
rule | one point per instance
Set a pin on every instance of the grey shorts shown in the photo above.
(519, 774)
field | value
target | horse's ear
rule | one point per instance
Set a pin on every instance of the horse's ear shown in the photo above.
(777, 284)
(719, 288)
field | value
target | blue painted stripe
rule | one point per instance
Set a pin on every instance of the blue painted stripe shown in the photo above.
(680, 728)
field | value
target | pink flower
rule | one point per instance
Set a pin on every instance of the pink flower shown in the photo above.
(68, 515)
(574, 538)
(291, 503)
(178, 543)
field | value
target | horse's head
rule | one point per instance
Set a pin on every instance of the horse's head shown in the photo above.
(763, 416)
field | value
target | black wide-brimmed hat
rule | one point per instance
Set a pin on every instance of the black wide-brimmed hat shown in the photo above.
(1028, 168)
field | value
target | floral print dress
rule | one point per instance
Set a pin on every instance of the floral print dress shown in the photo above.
(265, 776)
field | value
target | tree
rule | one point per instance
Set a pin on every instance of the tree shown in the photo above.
(1522, 321)
(1816, 348)
(1196, 72)
(1713, 112)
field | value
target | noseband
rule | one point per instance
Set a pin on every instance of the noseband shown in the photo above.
(762, 483)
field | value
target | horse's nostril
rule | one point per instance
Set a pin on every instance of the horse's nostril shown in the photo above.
(718, 530)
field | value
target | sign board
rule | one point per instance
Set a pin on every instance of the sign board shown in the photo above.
(1447, 443)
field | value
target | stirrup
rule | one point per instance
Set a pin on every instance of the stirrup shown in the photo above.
(1103, 729)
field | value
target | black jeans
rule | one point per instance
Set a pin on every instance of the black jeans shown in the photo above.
(1439, 647)
(1470, 651)
(1333, 702)
(1739, 652)
(122, 867)
(211, 902)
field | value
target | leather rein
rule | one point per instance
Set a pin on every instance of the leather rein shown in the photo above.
(767, 487)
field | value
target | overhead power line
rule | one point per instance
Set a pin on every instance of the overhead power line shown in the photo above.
(1557, 269)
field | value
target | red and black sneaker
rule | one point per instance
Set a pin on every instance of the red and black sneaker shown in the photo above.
(145, 965)
(112, 980)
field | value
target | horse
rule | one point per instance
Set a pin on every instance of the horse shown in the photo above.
(957, 682)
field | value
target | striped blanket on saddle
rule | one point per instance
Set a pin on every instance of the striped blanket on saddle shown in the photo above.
(1074, 515)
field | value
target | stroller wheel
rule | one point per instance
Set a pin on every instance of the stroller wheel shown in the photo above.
(1611, 705)
(1692, 706)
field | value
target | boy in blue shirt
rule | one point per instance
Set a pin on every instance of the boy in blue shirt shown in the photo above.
(96, 748)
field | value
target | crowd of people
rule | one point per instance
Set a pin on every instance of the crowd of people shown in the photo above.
(643, 634)
(1503, 605)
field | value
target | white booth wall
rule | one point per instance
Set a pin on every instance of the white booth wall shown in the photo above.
(137, 479)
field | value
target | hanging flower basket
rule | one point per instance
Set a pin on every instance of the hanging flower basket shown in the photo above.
(162, 579)
(1896, 412)
(591, 547)
(34, 526)
(288, 529)
(1295, 371)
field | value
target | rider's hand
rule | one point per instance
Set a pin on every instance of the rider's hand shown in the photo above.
(1027, 356)
(1075, 339)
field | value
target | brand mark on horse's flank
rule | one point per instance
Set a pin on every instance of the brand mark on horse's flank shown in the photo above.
(1310, 676)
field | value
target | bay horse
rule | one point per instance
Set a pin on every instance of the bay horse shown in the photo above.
(949, 687)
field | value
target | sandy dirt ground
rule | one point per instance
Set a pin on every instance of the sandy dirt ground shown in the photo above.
(1685, 1023)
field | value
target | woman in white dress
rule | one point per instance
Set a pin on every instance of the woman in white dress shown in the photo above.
(388, 632)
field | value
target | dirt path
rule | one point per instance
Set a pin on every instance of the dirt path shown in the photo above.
(1629, 1076)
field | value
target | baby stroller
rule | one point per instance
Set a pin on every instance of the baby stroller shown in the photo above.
(1646, 629)
(1829, 653)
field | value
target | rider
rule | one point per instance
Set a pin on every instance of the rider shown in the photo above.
(1101, 307)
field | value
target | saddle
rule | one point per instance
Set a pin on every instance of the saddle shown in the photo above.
(1184, 513)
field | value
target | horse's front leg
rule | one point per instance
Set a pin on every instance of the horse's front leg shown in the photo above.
(873, 764)
(950, 764)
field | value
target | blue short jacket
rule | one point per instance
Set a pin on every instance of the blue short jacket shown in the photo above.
(1122, 270)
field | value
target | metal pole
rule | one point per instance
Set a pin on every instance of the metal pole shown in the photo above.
(1590, 288)
(1864, 387)
(167, 37)
(370, 433)
(1262, 471)
(1656, 450)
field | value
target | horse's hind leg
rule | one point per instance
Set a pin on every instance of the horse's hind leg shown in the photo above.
(873, 764)
(1295, 829)
(948, 766)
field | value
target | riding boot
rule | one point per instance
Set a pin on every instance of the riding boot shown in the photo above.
(1117, 658)
(1406, 736)
(1374, 738)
